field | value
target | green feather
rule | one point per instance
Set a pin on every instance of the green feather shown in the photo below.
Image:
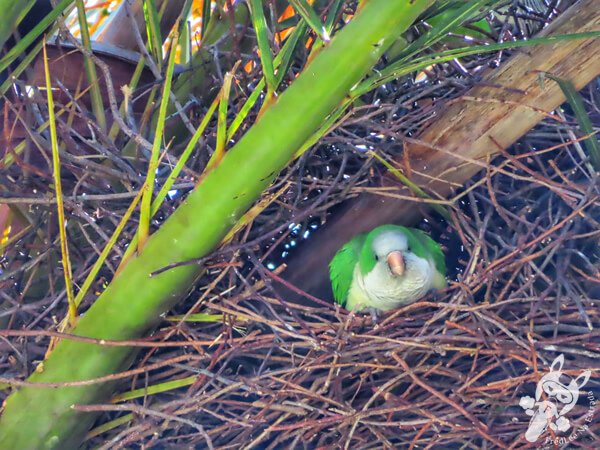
(430, 248)
(360, 250)
(341, 268)
(367, 256)
(419, 243)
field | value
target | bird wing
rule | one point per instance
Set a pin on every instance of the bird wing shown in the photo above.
(427, 248)
(341, 268)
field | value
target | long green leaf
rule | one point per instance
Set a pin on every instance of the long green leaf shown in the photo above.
(332, 14)
(447, 21)
(206, 10)
(12, 13)
(28, 39)
(282, 63)
(134, 301)
(162, 194)
(312, 19)
(153, 31)
(145, 208)
(21, 67)
(198, 80)
(107, 249)
(221, 144)
(262, 37)
(402, 68)
(90, 68)
(165, 386)
(576, 101)
(64, 248)
(415, 188)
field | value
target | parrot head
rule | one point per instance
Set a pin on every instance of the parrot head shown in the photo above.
(388, 267)
(389, 246)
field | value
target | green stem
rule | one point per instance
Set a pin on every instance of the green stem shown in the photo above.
(144, 230)
(64, 247)
(90, 69)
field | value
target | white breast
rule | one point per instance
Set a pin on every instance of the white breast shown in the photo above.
(381, 290)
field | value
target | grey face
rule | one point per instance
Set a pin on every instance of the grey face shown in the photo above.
(387, 242)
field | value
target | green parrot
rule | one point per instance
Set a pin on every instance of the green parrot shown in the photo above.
(388, 267)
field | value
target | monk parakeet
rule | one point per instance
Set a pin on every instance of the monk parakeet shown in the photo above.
(388, 267)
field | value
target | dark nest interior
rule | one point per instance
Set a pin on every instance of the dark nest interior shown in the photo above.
(446, 372)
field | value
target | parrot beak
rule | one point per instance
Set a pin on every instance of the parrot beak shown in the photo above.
(395, 262)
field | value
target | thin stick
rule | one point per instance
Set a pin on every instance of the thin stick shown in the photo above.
(64, 248)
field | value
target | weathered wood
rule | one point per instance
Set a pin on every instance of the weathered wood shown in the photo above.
(120, 32)
(116, 46)
(67, 69)
(468, 131)
(66, 66)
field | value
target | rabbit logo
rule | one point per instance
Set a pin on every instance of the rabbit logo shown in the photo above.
(553, 400)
